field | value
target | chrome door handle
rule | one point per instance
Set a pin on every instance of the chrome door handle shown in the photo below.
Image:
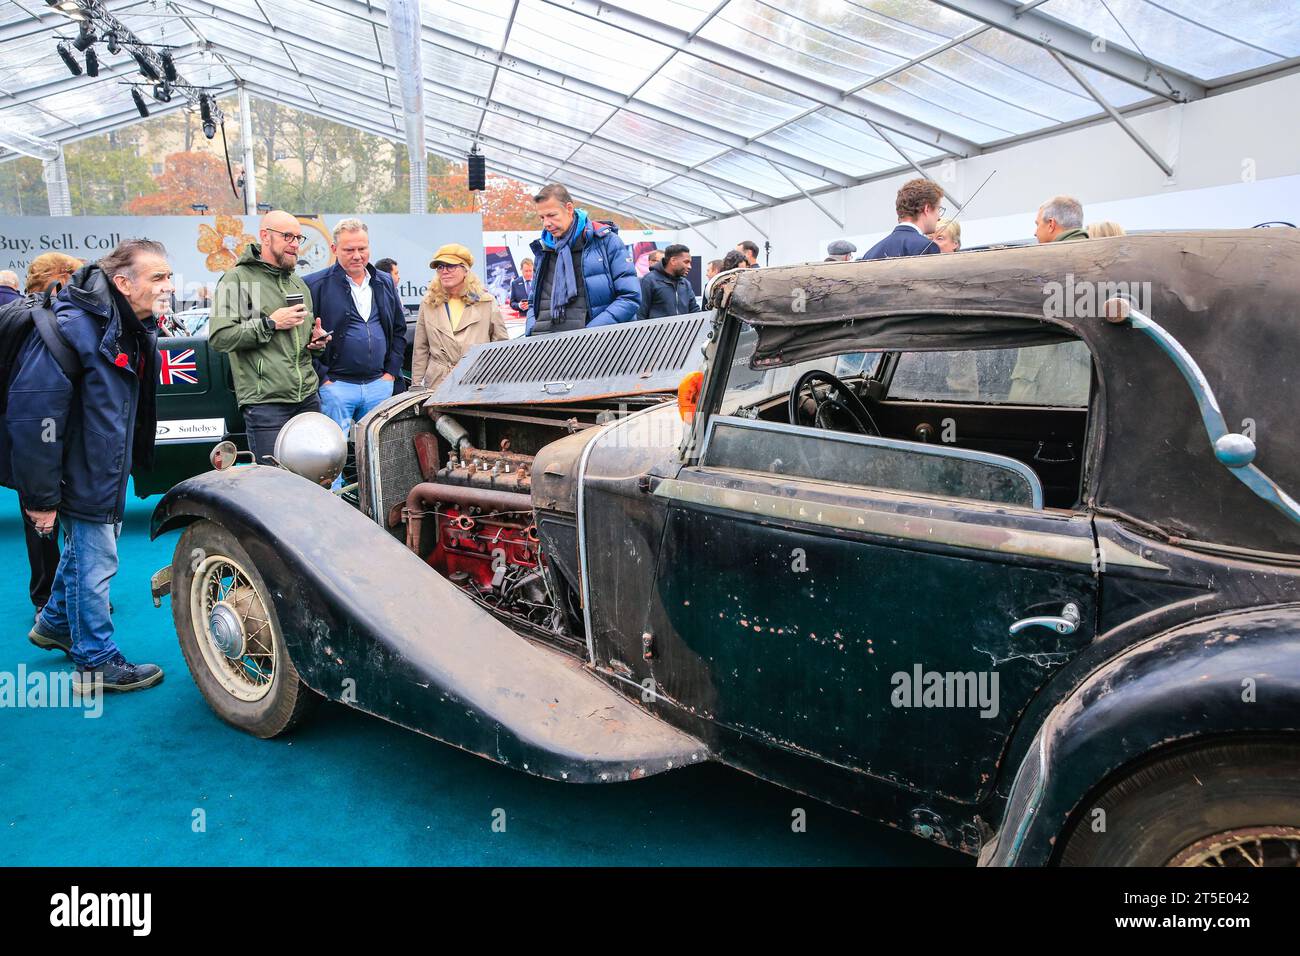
(1065, 624)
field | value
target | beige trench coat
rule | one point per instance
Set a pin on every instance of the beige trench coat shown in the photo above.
(437, 348)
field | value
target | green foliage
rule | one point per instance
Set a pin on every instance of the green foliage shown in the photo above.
(105, 173)
(22, 188)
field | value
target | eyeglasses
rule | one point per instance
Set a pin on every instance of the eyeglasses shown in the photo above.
(288, 236)
(943, 212)
(447, 266)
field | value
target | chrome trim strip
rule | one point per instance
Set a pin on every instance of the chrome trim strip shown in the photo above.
(1066, 548)
(920, 448)
(606, 431)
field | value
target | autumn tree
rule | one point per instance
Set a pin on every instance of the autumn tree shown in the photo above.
(105, 173)
(189, 179)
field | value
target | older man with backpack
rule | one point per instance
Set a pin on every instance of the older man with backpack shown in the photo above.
(80, 416)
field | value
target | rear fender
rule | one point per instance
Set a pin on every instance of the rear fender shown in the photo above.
(369, 624)
(1232, 675)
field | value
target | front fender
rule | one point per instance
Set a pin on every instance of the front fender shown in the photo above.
(368, 623)
(1236, 674)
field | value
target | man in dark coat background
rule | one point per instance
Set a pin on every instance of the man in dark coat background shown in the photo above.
(666, 287)
(919, 211)
(70, 444)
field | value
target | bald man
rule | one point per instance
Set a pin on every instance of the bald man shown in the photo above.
(269, 340)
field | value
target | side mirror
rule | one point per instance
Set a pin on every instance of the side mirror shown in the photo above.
(223, 455)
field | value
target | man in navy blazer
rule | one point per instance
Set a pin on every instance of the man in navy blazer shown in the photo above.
(358, 306)
(919, 212)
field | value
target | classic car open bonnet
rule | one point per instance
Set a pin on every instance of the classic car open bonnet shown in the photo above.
(1231, 298)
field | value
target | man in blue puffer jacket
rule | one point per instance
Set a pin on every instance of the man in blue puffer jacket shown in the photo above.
(585, 275)
(70, 442)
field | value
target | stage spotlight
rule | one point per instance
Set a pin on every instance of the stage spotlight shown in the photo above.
(477, 169)
(139, 103)
(169, 68)
(114, 47)
(92, 62)
(146, 67)
(85, 38)
(162, 92)
(73, 66)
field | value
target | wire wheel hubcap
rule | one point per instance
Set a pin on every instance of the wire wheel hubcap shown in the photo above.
(234, 628)
(1245, 847)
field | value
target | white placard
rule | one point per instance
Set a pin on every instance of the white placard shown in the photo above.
(191, 429)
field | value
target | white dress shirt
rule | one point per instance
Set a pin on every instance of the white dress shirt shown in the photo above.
(362, 296)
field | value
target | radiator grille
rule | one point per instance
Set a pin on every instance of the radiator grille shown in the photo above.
(398, 468)
(635, 348)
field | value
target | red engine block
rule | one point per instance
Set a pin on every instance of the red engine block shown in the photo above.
(478, 544)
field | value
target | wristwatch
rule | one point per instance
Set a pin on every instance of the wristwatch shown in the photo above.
(267, 323)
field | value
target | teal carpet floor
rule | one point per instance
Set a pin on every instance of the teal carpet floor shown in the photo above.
(157, 779)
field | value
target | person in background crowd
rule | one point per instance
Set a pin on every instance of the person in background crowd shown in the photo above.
(358, 307)
(73, 444)
(714, 267)
(1060, 219)
(521, 290)
(666, 288)
(9, 287)
(841, 250)
(734, 260)
(947, 236)
(653, 258)
(585, 275)
(389, 266)
(455, 315)
(749, 249)
(270, 342)
(919, 211)
(1106, 229)
(51, 270)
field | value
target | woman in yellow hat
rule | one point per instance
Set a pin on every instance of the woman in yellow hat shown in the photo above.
(456, 314)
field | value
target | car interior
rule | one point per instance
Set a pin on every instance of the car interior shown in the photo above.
(926, 422)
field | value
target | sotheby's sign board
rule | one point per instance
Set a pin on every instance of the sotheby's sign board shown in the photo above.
(201, 248)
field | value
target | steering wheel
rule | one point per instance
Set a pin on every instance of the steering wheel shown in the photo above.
(837, 397)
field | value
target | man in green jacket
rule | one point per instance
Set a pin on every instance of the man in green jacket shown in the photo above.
(1060, 219)
(269, 341)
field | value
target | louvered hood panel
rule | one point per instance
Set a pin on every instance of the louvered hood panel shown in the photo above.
(634, 358)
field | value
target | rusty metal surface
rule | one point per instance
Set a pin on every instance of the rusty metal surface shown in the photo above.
(354, 603)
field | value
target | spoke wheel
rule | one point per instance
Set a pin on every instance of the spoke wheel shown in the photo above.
(230, 634)
(1248, 847)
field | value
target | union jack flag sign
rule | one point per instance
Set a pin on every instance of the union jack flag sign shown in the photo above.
(178, 366)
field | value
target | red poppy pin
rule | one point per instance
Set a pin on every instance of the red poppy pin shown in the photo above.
(121, 361)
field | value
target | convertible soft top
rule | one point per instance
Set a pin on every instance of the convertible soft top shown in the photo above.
(1231, 298)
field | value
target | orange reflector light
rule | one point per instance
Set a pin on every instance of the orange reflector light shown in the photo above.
(688, 395)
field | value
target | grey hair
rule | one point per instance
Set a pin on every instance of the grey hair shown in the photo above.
(1066, 210)
(349, 225)
(121, 261)
(9, 278)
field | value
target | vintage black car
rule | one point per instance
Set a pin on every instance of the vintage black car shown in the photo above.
(994, 547)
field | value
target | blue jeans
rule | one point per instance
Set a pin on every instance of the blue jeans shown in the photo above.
(347, 402)
(78, 603)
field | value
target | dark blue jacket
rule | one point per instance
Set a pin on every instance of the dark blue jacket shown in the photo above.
(662, 294)
(903, 241)
(520, 290)
(71, 445)
(9, 294)
(613, 289)
(332, 300)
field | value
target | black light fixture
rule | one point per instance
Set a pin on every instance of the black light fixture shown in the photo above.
(114, 47)
(199, 207)
(169, 67)
(146, 66)
(162, 92)
(66, 55)
(139, 103)
(85, 37)
(92, 62)
(477, 170)
(205, 111)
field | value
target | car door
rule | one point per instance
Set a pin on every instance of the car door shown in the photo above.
(196, 409)
(866, 601)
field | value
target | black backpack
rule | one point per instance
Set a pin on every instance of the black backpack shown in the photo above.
(17, 320)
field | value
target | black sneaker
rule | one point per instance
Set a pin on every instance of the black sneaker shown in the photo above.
(50, 640)
(117, 674)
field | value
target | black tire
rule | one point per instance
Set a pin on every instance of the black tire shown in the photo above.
(1221, 804)
(288, 700)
